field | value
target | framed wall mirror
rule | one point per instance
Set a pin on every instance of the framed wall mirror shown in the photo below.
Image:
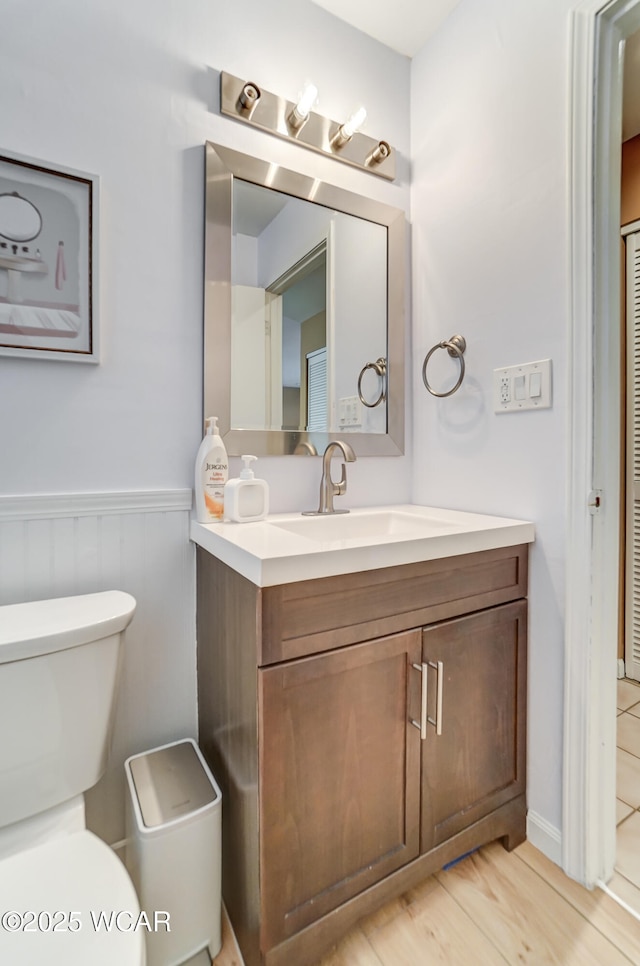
(304, 311)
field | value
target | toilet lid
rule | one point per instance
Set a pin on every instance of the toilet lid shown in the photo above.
(69, 902)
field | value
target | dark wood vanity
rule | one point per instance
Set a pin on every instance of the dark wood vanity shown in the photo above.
(310, 699)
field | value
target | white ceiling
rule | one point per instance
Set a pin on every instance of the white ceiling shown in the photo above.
(403, 25)
(406, 25)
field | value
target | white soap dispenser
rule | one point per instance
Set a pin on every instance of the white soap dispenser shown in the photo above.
(245, 498)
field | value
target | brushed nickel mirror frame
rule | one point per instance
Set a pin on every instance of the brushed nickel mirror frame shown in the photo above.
(222, 166)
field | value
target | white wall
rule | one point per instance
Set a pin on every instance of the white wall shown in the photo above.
(129, 91)
(489, 206)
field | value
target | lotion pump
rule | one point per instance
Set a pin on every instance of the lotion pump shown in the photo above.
(211, 474)
(245, 498)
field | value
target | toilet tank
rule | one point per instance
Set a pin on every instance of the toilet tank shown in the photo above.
(59, 664)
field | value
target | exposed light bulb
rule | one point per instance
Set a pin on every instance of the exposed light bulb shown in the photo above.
(300, 113)
(346, 131)
(355, 122)
(307, 100)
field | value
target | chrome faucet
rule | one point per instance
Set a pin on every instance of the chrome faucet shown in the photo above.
(329, 489)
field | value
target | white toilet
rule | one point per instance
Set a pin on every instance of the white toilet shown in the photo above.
(61, 887)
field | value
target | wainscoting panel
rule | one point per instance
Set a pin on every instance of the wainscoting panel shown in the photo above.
(56, 546)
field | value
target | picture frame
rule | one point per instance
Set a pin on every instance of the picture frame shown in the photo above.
(48, 261)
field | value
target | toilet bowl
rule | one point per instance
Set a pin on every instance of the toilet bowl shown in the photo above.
(66, 899)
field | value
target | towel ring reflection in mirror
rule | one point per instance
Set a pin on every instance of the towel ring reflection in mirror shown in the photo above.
(455, 346)
(380, 368)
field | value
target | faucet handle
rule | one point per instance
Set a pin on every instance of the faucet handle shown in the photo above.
(339, 489)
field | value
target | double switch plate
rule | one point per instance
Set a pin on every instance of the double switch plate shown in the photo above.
(516, 388)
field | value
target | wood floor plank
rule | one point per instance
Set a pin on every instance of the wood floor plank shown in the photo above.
(519, 913)
(354, 950)
(630, 894)
(596, 906)
(229, 955)
(430, 930)
(396, 906)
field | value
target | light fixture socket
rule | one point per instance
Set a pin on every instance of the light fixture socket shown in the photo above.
(340, 138)
(346, 131)
(379, 153)
(249, 97)
(297, 121)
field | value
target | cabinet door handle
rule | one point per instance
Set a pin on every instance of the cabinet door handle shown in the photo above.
(439, 669)
(422, 724)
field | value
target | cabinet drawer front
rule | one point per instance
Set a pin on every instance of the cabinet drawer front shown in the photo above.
(317, 615)
(477, 762)
(339, 778)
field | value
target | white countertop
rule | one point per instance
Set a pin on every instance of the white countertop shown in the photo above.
(288, 547)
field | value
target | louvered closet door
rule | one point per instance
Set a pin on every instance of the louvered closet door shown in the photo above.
(317, 390)
(632, 634)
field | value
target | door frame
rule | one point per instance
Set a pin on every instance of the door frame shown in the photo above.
(592, 575)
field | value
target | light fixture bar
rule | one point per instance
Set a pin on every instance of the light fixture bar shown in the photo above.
(274, 114)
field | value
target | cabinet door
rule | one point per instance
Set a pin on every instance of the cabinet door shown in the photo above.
(339, 778)
(477, 762)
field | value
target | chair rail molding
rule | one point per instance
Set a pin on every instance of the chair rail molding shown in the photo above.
(52, 505)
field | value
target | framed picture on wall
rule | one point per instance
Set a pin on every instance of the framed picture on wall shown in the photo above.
(48, 261)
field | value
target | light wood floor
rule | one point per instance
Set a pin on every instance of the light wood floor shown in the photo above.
(493, 907)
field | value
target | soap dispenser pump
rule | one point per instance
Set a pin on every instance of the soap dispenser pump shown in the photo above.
(246, 499)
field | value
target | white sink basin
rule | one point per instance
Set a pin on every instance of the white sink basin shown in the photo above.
(289, 547)
(374, 525)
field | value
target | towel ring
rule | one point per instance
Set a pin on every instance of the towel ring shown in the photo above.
(380, 368)
(455, 346)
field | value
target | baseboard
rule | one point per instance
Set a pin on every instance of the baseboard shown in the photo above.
(621, 672)
(545, 837)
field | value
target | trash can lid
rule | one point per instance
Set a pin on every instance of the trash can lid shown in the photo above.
(171, 783)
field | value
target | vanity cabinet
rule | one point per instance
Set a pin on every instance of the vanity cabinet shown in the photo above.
(338, 791)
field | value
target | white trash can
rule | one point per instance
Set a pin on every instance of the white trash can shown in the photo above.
(173, 854)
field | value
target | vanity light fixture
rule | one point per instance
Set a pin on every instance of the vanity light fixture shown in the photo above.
(296, 121)
(346, 131)
(301, 112)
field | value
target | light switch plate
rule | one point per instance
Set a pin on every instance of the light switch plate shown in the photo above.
(513, 387)
(350, 411)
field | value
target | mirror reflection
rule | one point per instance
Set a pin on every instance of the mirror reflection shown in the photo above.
(309, 311)
(303, 311)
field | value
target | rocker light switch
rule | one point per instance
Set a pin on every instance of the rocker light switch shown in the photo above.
(519, 387)
(535, 384)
